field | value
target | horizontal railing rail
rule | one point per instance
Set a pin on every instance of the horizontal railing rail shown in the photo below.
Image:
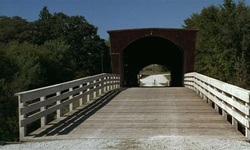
(230, 101)
(37, 104)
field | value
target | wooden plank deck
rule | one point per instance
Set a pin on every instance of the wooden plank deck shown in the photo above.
(139, 113)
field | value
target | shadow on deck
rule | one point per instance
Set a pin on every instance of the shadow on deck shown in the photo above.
(72, 120)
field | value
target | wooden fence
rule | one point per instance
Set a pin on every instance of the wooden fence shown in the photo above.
(230, 101)
(37, 104)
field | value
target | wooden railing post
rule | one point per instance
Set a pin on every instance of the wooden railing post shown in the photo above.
(115, 82)
(108, 82)
(105, 86)
(116, 85)
(81, 99)
(247, 129)
(88, 95)
(71, 104)
(100, 90)
(224, 113)
(112, 83)
(234, 121)
(94, 93)
(247, 133)
(43, 119)
(58, 112)
(22, 129)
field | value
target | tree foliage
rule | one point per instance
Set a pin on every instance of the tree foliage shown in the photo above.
(223, 41)
(14, 28)
(86, 47)
(53, 49)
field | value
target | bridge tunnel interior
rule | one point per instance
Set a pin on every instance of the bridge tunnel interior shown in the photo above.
(151, 50)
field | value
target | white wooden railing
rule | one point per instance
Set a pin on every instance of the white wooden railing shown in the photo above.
(37, 104)
(229, 100)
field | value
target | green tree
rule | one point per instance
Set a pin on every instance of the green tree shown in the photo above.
(14, 28)
(45, 14)
(86, 46)
(8, 103)
(55, 58)
(26, 56)
(223, 41)
(87, 49)
(42, 27)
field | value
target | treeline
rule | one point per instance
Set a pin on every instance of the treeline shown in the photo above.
(223, 42)
(53, 49)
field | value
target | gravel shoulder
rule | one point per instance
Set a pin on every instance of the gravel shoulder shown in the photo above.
(158, 142)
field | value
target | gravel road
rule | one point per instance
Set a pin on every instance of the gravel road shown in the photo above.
(153, 143)
(154, 80)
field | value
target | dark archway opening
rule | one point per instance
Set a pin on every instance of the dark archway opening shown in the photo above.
(151, 50)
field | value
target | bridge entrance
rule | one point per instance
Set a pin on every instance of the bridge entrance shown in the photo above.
(151, 50)
(134, 49)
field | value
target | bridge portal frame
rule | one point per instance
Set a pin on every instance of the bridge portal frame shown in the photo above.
(183, 38)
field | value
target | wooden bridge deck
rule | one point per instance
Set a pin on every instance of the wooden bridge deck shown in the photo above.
(143, 113)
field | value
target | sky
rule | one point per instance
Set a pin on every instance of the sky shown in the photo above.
(113, 14)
